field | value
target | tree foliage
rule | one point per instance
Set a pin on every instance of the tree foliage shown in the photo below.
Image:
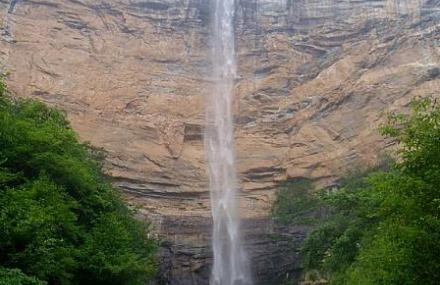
(17, 277)
(61, 222)
(294, 202)
(385, 223)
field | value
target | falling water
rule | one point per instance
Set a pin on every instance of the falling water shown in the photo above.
(230, 263)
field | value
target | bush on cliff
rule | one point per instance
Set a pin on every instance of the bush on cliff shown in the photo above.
(61, 222)
(294, 203)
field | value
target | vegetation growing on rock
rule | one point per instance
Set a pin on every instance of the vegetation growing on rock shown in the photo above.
(61, 222)
(384, 226)
(294, 202)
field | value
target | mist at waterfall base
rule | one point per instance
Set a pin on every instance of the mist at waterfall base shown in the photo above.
(230, 262)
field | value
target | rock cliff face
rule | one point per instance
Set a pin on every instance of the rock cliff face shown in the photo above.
(316, 78)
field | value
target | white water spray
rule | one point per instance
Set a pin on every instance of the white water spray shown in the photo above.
(230, 266)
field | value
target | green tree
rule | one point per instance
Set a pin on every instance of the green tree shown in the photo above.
(17, 277)
(61, 221)
(385, 227)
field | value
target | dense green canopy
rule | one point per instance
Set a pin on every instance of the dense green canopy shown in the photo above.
(384, 226)
(60, 220)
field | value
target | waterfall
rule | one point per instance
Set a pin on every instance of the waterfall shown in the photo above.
(230, 265)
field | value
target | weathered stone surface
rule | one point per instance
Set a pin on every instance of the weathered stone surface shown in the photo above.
(316, 78)
(186, 258)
